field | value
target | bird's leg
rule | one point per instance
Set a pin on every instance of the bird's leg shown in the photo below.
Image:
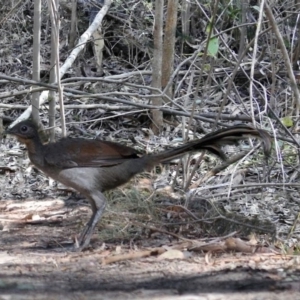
(98, 203)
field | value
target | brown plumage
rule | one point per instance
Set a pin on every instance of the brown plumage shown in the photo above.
(94, 166)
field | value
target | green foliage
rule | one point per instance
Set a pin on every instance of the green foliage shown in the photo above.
(233, 13)
(213, 47)
(287, 121)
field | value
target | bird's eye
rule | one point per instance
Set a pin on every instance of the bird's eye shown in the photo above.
(24, 128)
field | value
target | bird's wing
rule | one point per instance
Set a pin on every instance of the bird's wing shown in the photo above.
(87, 153)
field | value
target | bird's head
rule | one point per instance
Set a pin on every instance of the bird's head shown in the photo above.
(24, 131)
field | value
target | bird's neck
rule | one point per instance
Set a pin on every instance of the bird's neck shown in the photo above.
(35, 151)
(34, 145)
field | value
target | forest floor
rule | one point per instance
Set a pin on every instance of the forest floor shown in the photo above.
(144, 247)
(35, 265)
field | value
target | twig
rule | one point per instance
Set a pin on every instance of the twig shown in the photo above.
(69, 61)
(133, 255)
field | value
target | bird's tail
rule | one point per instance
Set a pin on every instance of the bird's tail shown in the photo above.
(212, 142)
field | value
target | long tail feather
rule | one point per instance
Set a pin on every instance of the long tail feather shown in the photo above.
(213, 142)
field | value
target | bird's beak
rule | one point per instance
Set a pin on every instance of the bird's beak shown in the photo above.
(11, 131)
(7, 131)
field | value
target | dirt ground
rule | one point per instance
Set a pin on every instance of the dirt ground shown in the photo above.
(34, 266)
